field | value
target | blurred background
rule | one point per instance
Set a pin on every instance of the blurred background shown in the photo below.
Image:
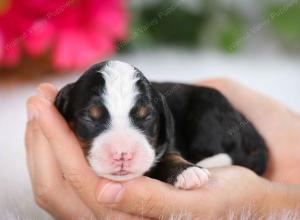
(254, 42)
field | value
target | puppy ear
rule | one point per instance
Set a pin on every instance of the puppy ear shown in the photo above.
(167, 129)
(62, 100)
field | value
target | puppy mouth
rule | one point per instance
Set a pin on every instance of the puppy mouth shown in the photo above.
(121, 173)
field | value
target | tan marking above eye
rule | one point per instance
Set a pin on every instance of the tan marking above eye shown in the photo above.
(95, 112)
(142, 112)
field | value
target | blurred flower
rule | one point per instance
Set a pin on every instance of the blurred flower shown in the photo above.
(75, 32)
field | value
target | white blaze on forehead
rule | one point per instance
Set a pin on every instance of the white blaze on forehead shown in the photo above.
(120, 91)
(119, 97)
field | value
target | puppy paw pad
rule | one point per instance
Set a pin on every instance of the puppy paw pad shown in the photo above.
(192, 177)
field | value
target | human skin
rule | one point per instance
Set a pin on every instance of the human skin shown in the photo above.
(66, 187)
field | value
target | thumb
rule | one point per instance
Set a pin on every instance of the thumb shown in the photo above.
(150, 198)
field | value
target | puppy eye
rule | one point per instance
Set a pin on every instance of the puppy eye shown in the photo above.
(142, 112)
(95, 112)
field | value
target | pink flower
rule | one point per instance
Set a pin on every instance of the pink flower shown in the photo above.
(76, 32)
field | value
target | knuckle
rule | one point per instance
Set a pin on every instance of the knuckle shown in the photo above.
(35, 129)
(50, 138)
(75, 178)
(32, 100)
(43, 195)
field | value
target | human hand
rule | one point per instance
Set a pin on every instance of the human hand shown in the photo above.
(53, 176)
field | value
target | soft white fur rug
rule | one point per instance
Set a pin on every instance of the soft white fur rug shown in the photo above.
(276, 76)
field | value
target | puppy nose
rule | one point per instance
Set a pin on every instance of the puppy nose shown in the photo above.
(122, 156)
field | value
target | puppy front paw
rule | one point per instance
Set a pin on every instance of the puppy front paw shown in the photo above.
(192, 177)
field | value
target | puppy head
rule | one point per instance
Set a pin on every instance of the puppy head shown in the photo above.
(123, 124)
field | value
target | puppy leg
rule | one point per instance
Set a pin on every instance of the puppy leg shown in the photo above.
(218, 160)
(177, 171)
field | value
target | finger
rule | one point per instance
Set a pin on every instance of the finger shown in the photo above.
(51, 191)
(41, 155)
(71, 161)
(63, 143)
(47, 91)
(29, 137)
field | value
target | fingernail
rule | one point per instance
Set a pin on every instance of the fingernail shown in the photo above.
(111, 193)
(31, 113)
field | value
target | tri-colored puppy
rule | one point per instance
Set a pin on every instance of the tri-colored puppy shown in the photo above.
(130, 127)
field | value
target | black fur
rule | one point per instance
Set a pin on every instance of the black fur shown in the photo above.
(206, 124)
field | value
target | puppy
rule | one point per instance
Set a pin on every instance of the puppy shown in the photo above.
(128, 127)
